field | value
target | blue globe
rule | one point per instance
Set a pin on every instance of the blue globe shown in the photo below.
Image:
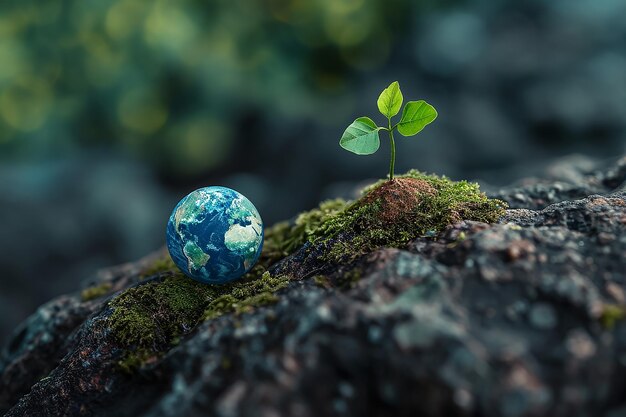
(215, 235)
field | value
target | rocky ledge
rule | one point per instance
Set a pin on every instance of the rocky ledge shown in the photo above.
(423, 297)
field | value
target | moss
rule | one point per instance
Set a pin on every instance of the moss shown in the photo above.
(322, 281)
(611, 314)
(152, 314)
(389, 213)
(282, 239)
(96, 291)
(348, 279)
(150, 318)
(135, 360)
(244, 297)
(248, 304)
(161, 265)
(460, 238)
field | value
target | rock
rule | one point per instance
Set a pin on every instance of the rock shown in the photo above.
(574, 180)
(521, 317)
(542, 316)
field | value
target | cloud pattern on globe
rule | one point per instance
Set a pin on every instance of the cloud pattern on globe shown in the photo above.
(215, 235)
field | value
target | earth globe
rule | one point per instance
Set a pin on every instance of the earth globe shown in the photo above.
(215, 235)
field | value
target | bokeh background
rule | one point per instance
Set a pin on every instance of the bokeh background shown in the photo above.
(112, 110)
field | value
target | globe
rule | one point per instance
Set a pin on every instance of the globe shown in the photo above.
(215, 235)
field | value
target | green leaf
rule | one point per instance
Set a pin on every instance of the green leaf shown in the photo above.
(390, 100)
(361, 137)
(415, 116)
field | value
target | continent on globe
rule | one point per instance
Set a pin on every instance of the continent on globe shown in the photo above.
(215, 235)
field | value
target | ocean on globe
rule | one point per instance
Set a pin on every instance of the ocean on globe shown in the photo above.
(215, 235)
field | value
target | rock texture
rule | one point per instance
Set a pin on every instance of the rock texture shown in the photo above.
(519, 318)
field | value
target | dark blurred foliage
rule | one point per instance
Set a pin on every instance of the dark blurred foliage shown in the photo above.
(111, 110)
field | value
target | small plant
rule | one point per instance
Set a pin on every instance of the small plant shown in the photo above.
(361, 137)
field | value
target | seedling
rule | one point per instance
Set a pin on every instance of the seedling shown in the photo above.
(361, 137)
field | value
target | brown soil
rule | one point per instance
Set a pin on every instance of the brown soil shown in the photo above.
(398, 198)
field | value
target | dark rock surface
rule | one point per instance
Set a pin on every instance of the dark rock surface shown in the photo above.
(519, 318)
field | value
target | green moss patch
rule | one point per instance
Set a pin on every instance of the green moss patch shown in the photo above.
(96, 291)
(284, 238)
(611, 314)
(150, 318)
(349, 278)
(389, 214)
(164, 264)
(322, 281)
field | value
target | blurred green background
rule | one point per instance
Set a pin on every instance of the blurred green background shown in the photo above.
(112, 110)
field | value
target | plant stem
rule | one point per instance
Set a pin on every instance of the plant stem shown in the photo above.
(393, 152)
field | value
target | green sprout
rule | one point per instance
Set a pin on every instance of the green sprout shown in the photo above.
(361, 137)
